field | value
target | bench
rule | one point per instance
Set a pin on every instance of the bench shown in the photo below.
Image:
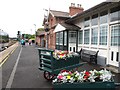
(88, 55)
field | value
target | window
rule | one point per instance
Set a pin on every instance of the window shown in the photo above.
(115, 14)
(80, 37)
(61, 38)
(112, 55)
(70, 49)
(86, 36)
(94, 36)
(57, 38)
(103, 17)
(73, 49)
(117, 56)
(87, 22)
(115, 35)
(94, 20)
(72, 37)
(65, 37)
(103, 35)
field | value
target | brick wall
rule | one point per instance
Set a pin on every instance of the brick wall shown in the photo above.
(38, 40)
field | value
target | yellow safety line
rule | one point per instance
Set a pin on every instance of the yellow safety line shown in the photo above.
(7, 57)
(3, 61)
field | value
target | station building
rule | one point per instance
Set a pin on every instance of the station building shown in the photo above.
(97, 28)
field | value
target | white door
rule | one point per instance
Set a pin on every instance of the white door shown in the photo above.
(72, 47)
(72, 40)
(114, 45)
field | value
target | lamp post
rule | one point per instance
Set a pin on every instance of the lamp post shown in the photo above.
(35, 27)
(31, 31)
(46, 27)
(35, 33)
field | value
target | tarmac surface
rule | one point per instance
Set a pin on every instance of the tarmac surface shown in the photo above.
(21, 70)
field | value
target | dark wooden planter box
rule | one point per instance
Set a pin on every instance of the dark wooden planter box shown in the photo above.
(65, 62)
(85, 86)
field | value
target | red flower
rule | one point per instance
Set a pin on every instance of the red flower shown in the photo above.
(85, 77)
(64, 71)
(87, 73)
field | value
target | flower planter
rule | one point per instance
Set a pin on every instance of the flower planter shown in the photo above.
(85, 80)
(85, 85)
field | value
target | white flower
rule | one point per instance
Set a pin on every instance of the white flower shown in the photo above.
(77, 74)
(80, 78)
(65, 73)
(106, 75)
(64, 80)
(71, 80)
(92, 78)
(54, 80)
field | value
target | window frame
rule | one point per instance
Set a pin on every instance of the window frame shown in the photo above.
(88, 36)
(105, 35)
(80, 39)
(93, 36)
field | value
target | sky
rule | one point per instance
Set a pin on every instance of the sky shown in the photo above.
(27, 15)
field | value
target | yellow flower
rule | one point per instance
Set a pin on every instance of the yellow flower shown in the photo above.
(68, 77)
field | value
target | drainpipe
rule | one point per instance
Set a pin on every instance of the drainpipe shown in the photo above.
(76, 40)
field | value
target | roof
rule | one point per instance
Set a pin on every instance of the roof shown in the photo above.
(89, 10)
(65, 26)
(39, 33)
(70, 26)
(59, 13)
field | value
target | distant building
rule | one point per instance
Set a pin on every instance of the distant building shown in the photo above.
(40, 38)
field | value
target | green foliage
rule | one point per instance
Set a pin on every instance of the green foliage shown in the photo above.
(40, 29)
(29, 36)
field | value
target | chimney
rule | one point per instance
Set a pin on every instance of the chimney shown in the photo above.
(75, 9)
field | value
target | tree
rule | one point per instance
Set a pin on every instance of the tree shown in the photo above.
(40, 29)
(29, 36)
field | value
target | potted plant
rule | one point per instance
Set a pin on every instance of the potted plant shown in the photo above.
(65, 58)
(85, 79)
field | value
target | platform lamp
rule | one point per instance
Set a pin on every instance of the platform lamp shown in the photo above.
(46, 27)
(35, 32)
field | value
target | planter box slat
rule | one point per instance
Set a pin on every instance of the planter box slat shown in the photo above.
(86, 85)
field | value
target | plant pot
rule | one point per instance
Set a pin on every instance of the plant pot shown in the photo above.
(84, 85)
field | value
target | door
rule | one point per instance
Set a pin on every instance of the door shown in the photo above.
(72, 40)
(114, 45)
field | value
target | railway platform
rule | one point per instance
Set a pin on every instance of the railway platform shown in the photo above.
(5, 54)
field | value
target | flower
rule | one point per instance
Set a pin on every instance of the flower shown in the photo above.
(58, 54)
(64, 80)
(71, 80)
(68, 77)
(106, 75)
(60, 76)
(64, 71)
(85, 76)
